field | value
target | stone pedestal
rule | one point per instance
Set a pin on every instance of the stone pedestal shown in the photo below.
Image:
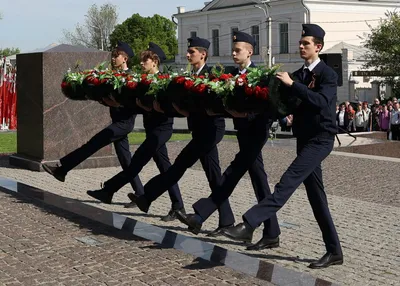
(50, 125)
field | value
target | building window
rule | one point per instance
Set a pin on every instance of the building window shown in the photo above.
(215, 42)
(284, 38)
(255, 32)
(193, 34)
(233, 29)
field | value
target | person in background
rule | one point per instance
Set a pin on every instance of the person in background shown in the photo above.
(374, 116)
(351, 115)
(342, 119)
(359, 119)
(384, 120)
(395, 121)
(367, 113)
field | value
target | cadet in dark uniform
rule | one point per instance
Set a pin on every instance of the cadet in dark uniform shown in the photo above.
(207, 132)
(243, 45)
(123, 120)
(314, 125)
(252, 134)
(158, 131)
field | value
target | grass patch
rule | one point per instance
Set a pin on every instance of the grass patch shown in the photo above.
(8, 140)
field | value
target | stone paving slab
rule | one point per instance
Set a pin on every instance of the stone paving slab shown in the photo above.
(365, 210)
(42, 245)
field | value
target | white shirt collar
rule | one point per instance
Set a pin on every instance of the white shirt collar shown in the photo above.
(200, 69)
(245, 69)
(313, 65)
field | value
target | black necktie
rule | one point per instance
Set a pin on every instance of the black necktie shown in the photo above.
(305, 75)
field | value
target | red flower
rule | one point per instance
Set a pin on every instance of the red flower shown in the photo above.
(215, 80)
(200, 88)
(104, 80)
(143, 76)
(262, 93)
(93, 80)
(188, 84)
(118, 74)
(225, 76)
(131, 84)
(180, 79)
(64, 85)
(248, 90)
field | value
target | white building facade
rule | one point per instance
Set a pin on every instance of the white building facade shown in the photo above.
(343, 20)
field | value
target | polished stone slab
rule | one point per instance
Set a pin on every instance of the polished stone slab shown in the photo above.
(167, 239)
(49, 124)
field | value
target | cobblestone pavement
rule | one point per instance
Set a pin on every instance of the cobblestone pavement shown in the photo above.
(44, 247)
(365, 204)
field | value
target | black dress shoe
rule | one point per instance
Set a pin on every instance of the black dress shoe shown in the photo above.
(219, 231)
(56, 172)
(327, 260)
(264, 243)
(171, 216)
(241, 232)
(190, 220)
(102, 195)
(140, 201)
(130, 205)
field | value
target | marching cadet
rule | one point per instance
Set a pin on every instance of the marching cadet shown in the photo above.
(207, 132)
(314, 127)
(158, 129)
(243, 47)
(123, 120)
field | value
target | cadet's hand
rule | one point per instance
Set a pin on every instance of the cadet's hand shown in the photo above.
(236, 114)
(289, 120)
(181, 111)
(110, 101)
(157, 106)
(139, 103)
(212, 113)
(285, 78)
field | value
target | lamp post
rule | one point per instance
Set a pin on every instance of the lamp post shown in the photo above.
(269, 26)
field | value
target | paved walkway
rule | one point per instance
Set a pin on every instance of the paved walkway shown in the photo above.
(364, 201)
(46, 246)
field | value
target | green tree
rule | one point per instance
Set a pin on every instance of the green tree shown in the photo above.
(383, 46)
(95, 32)
(138, 31)
(9, 52)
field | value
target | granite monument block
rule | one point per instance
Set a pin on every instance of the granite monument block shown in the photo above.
(49, 124)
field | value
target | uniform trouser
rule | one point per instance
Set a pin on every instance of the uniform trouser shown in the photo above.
(152, 147)
(114, 133)
(203, 147)
(395, 129)
(249, 159)
(259, 179)
(306, 168)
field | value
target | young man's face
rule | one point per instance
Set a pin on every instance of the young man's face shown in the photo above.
(194, 56)
(147, 65)
(308, 48)
(118, 59)
(241, 51)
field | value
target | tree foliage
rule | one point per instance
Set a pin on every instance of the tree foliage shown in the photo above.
(383, 46)
(138, 31)
(95, 32)
(9, 52)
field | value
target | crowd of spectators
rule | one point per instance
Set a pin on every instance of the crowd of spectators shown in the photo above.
(362, 117)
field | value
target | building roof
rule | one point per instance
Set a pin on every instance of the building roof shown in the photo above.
(358, 51)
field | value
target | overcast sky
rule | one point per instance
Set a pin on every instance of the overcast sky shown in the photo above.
(30, 25)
